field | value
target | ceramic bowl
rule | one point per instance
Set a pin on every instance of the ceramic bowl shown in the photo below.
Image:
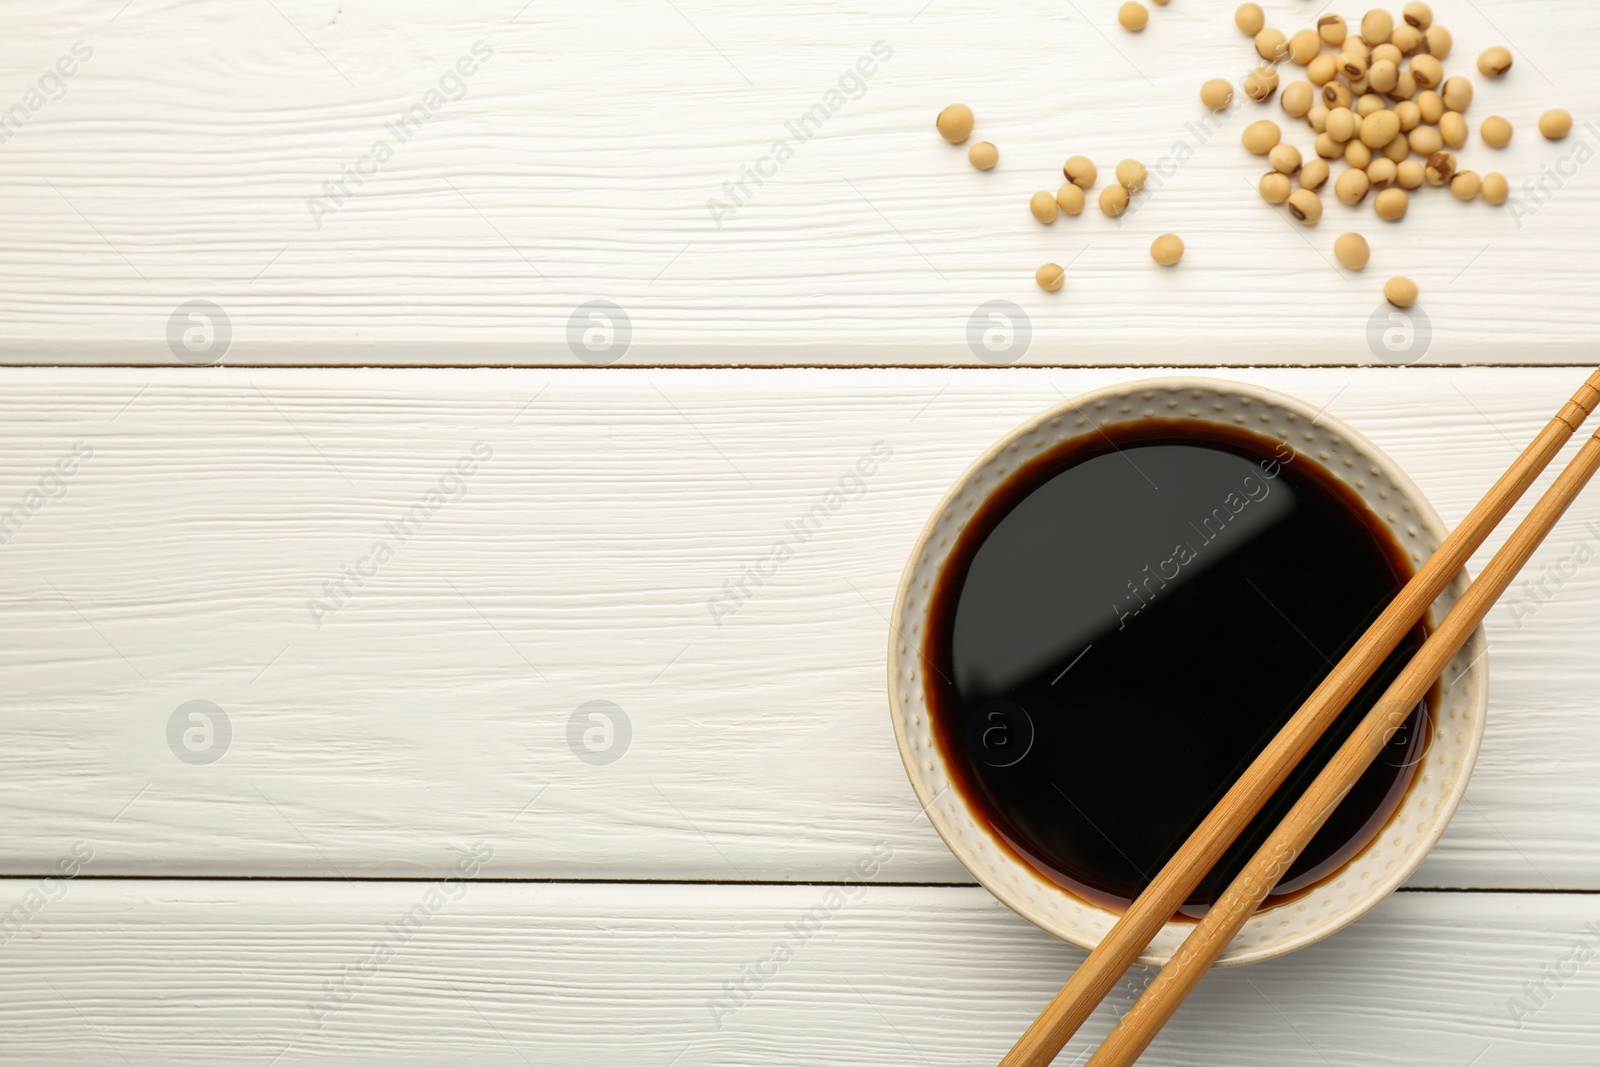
(1371, 874)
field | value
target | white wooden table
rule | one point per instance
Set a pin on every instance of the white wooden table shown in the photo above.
(374, 508)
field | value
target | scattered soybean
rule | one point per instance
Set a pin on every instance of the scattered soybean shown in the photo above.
(1352, 251)
(1400, 291)
(1167, 249)
(955, 123)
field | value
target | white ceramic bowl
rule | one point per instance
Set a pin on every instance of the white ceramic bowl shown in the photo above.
(1370, 875)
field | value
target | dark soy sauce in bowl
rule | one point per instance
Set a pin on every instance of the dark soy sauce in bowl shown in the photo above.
(1123, 626)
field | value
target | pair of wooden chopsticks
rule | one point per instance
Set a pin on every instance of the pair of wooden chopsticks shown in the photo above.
(1205, 847)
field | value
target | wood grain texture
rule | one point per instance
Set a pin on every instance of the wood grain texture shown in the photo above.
(432, 706)
(202, 973)
(190, 154)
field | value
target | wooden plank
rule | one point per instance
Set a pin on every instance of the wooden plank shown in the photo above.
(187, 559)
(200, 973)
(228, 152)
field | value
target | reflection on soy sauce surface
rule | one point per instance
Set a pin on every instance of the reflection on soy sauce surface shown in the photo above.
(1128, 621)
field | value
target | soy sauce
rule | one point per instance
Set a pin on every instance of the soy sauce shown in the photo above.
(1126, 623)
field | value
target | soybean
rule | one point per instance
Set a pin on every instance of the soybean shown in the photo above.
(1167, 249)
(1342, 124)
(1217, 93)
(1313, 174)
(1250, 19)
(1297, 99)
(1069, 198)
(1438, 41)
(1272, 45)
(1261, 83)
(1376, 25)
(1304, 46)
(1352, 186)
(1406, 38)
(1428, 71)
(1352, 251)
(1496, 190)
(1044, 207)
(1132, 175)
(1400, 291)
(1494, 61)
(1113, 200)
(1357, 155)
(1555, 124)
(1383, 75)
(1425, 140)
(1305, 206)
(1379, 128)
(1050, 277)
(1261, 137)
(1431, 104)
(1453, 129)
(1285, 158)
(1409, 115)
(1274, 187)
(1440, 168)
(1081, 171)
(1322, 70)
(955, 123)
(1457, 93)
(1332, 29)
(984, 155)
(1408, 174)
(1391, 204)
(1465, 185)
(1382, 173)
(1134, 16)
(1417, 14)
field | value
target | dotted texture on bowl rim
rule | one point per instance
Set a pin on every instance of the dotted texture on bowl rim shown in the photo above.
(1460, 712)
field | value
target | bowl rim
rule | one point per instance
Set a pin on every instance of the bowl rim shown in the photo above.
(1375, 889)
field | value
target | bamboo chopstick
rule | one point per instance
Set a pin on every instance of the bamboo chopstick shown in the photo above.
(1145, 917)
(1205, 943)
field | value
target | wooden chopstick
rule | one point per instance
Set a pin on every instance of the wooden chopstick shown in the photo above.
(1173, 884)
(1205, 943)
